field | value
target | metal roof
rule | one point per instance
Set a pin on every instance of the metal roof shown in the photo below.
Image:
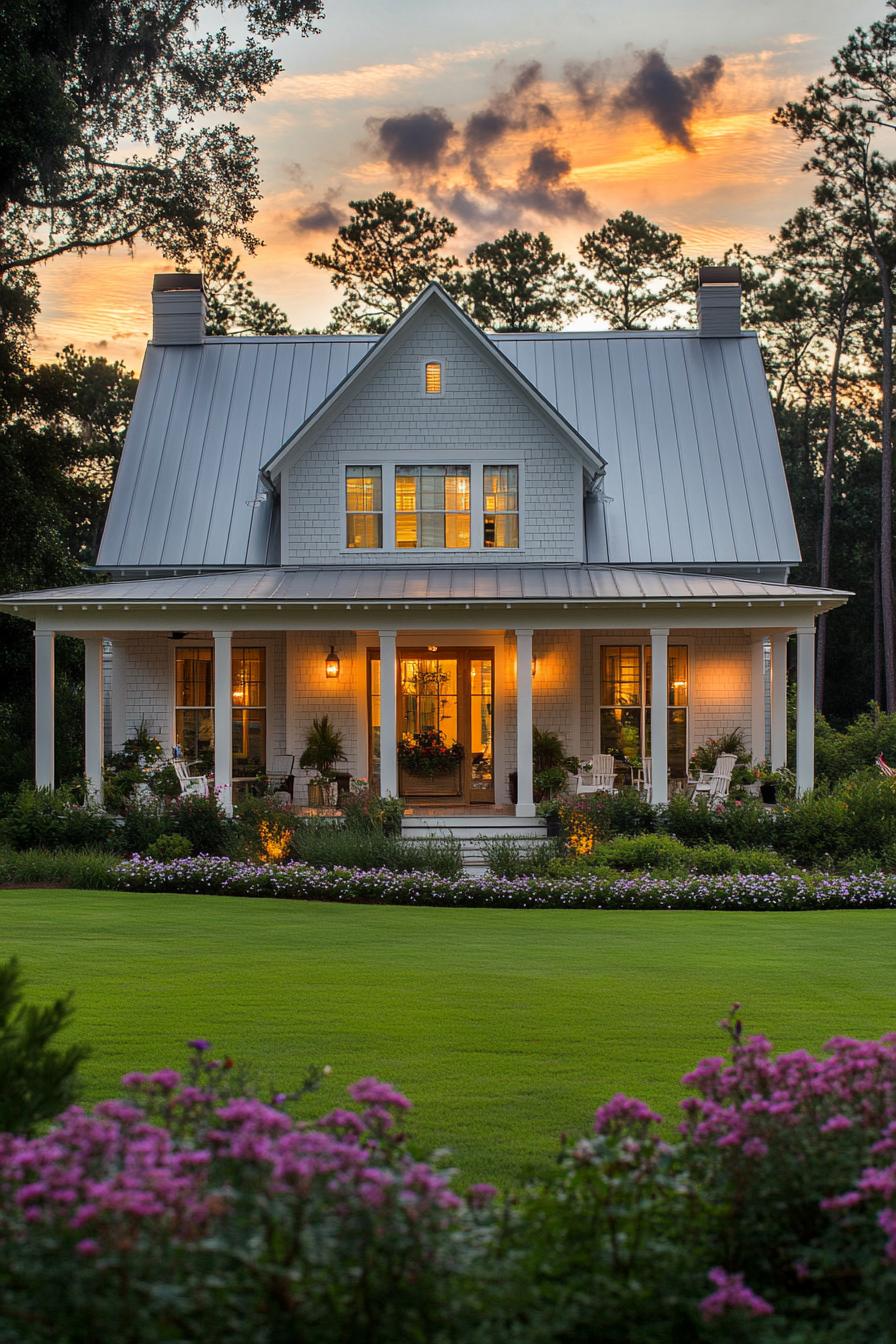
(427, 584)
(694, 472)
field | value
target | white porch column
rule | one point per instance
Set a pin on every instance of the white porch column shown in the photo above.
(525, 800)
(45, 709)
(757, 698)
(388, 714)
(779, 700)
(224, 719)
(659, 715)
(93, 716)
(805, 708)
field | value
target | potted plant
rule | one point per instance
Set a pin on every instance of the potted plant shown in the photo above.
(550, 766)
(323, 748)
(549, 808)
(770, 781)
(428, 764)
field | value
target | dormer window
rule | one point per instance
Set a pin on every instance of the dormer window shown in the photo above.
(432, 378)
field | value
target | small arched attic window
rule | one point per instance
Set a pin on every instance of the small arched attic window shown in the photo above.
(432, 377)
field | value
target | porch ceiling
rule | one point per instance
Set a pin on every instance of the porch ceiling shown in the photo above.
(445, 585)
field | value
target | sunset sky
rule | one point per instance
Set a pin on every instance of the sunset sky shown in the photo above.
(502, 113)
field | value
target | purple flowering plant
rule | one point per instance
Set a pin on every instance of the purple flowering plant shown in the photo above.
(194, 1208)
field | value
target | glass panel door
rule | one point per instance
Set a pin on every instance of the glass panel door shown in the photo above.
(482, 747)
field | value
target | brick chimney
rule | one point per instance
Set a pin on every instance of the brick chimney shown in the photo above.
(178, 310)
(718, 301)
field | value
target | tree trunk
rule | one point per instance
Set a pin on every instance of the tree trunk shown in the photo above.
(824, 575)
(888, 616)
(878, 660)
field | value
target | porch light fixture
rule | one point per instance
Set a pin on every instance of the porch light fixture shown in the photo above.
(332, 663)
(432, 648)
(535, 667)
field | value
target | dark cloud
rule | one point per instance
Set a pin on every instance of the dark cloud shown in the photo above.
(415, 141)
(320, 217)
(517, 108)
(542, 189)
(668, 99)
(587, 83)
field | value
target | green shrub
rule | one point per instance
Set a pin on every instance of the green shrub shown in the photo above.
(642, 852)
(744, 824)
(692, 823)
(328, 844)
(50, 819)
(365, 810)
(81, 869)
(202, 821)
(40, 1079)
(714, 859)
(249, 813)
(621, 813)
(171, 845)
(506, 857)
(144, 820)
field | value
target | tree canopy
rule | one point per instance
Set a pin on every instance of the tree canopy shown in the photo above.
(109, 122)
(389, 250)
(519, 283)
(638, 273)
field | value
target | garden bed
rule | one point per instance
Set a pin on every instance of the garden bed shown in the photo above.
(299, 881)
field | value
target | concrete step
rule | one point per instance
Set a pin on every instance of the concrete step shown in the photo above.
(470, 831)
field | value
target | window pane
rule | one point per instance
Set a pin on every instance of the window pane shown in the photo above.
(194, 678)
(432, 506)
(248, 677)
(677, 674)
(620, 674)
(433, 377)
(502, 529)
(363, 507)
(501, 489)
(620, 733)
(364, 531)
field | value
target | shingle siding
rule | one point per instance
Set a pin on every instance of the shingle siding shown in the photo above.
(481, 416)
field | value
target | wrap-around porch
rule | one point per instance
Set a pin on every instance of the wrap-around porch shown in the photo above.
(241, 697)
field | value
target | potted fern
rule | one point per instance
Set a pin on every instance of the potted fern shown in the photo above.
(323, 748)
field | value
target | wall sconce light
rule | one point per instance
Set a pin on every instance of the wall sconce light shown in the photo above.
(332, 664)
(535, 667)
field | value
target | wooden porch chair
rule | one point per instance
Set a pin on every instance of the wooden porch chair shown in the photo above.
(601, 778)
(194, 785)
(713, 785)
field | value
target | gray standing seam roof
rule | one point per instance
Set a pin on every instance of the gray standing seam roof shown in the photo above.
(694, 472)
(428, 583)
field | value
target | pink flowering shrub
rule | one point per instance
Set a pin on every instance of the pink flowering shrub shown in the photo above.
(195, 1209)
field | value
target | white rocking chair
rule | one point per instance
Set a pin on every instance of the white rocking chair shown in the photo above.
(713, 785)
(644, 779)
(193, 785)
(601, 778)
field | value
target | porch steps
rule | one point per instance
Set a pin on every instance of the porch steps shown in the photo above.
(471, 829)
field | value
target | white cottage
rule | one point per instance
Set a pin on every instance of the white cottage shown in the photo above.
(590, 532)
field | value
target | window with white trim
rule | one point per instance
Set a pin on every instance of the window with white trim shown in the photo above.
(625, 694)
(432, 378)
(432, 508)
(364, 508)
(501, 506)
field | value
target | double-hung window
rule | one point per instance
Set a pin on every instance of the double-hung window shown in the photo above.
(625, 692)
(195, 706)
(501, 506)
(364, 508)
(432, 508)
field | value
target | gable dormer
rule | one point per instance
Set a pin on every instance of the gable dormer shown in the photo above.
(434, 448)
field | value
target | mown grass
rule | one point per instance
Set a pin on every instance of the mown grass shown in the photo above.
(505, 1027)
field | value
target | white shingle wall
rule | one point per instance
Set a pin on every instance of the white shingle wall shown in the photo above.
(298, 689)
(480, 414)
(141, 677)
(312, 694)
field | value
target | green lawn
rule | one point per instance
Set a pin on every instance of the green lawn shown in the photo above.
(505, 1027)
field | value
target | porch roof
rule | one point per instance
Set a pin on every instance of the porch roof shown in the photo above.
(423, 584)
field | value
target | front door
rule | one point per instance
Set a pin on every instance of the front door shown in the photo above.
(445, 697)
